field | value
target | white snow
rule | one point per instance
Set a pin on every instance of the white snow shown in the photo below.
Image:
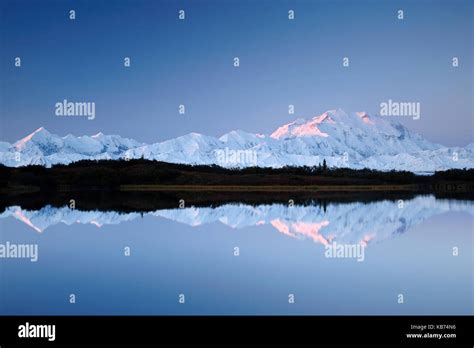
(354, 140)
(345, 223)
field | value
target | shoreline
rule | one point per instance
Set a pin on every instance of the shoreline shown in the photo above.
(266, 188)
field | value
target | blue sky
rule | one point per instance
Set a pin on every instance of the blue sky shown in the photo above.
(190, 62)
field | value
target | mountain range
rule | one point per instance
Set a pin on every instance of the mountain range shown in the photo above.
(355, 140)
(349, 223)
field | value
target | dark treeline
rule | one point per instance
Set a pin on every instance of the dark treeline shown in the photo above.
(110, 174)
(139, 201)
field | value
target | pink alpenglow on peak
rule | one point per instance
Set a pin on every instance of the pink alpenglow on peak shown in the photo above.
(22, 142)
(281, 131)
(100, 134)
(309, 129)
(303, 128)
(312, 127)
(364, 117)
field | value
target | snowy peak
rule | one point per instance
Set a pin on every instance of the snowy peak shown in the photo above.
(43, 148)
(316, 126)
(40, 132)
(98, 135)
(300, 128)
(40, 136)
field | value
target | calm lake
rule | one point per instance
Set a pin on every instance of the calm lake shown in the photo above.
(243, 259)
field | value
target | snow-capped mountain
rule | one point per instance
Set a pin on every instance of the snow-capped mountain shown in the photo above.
(354, 140)
(44, 148)
(344, 223)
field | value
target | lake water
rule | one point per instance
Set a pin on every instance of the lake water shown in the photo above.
(243, 259)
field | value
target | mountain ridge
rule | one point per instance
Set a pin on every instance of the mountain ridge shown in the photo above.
(356, 140)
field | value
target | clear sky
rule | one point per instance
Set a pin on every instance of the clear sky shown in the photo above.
(190, 62)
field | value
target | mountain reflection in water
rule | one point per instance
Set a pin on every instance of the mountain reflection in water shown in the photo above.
(349, 223)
